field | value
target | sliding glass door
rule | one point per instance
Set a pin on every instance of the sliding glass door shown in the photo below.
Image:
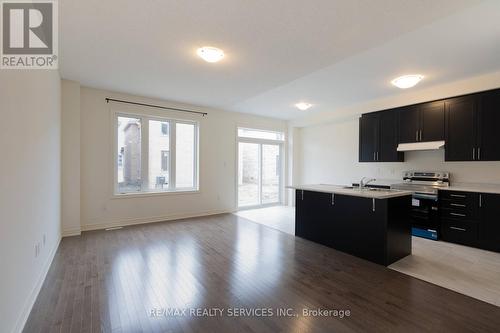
(270, 171)
(249, 174)
(259, 174)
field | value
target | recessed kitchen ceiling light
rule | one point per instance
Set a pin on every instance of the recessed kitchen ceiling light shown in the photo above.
(407, 81)
(303, 106)
(210, 54)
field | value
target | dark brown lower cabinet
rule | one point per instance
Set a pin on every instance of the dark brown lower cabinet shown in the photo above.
(375, 230)
(471, 219)
(489, 224)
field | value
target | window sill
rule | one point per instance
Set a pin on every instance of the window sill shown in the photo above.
(153, 194)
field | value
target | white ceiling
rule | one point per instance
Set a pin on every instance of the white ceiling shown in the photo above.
(329, 53)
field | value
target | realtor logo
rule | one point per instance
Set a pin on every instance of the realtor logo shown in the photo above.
(29, 35)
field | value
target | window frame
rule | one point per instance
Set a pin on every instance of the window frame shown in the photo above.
(168, 129)
(145, 118)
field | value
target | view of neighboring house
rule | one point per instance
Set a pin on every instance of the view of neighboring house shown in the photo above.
(129, 154)
(159, 154)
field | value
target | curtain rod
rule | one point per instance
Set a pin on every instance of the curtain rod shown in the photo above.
(154, 106)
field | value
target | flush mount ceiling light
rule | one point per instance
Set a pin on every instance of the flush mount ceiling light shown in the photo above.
(210, 54)
(303, 106)
(407, 81)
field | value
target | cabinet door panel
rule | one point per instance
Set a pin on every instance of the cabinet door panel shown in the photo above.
(389, 138)
(488, 126)
(310, 218)
(432, 126)
(460, 130)
(368, 137)
(300, 214)
(489, 225)
(361, 239)
(409, 124)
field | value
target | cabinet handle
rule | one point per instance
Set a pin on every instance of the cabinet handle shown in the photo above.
(456, 214)
(416, 135)
(373, 204)
(457, 205)
(457, 195)
(457, 228)
(374, 156)
(420, 135)
(478, 153)
(302, 194)
(480, 200)
(333, 199)
(473, 154)
(378, 157)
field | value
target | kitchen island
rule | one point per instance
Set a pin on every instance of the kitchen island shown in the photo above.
(373, 224)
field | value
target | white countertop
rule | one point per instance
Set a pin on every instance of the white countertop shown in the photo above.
(355, 192)
(472, 187)
(456, 186)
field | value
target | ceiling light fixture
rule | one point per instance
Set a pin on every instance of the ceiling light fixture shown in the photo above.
(303, 106)
(210, 54)
(407, 81)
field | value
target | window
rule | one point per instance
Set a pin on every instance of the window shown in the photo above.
(155, 155)
(185, 147)
(129, 154)
(164, 160)
(164, 128)
(260, 134)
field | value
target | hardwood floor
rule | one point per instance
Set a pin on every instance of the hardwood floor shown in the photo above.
(467, 270)
(111, 280)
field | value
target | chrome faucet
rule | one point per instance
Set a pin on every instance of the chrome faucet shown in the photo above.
(363, 183)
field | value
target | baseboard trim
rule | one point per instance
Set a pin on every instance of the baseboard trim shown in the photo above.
(28, 304)
(75, 231)
(154, 219)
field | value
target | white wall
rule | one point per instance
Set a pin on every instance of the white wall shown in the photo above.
(70, 110)
(329, 154)
(30, 196)
(217, 164)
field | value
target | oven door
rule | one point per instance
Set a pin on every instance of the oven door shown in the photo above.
(425, 216)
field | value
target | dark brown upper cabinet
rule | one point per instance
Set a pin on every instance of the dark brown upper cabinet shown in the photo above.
(423, 122)
(409, 124)
(432, 121)
(488, 127)
(472, 124)
(368, 137)
(469, 125)
(460, 129)
(378, 134)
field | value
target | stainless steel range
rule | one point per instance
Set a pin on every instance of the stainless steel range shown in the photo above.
(425, 210)
(423, 184)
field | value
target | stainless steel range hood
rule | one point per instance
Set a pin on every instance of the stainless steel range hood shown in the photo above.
(429, 145)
